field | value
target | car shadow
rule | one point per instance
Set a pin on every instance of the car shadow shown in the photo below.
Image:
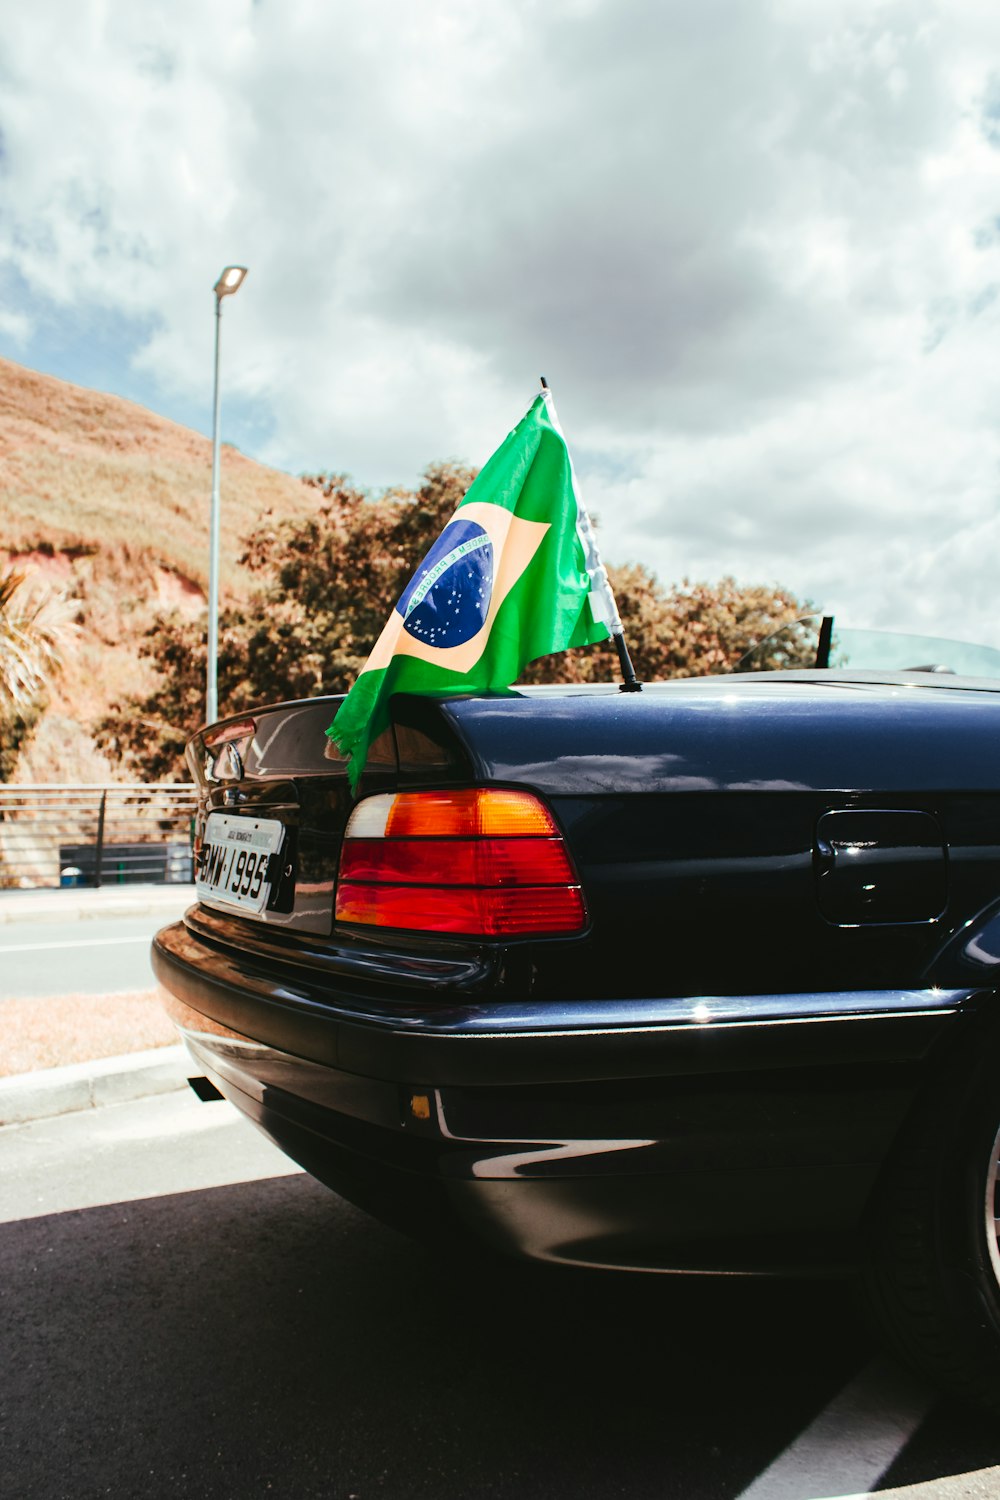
(268, 1337)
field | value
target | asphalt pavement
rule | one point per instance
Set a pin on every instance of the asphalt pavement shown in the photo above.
(186, 1314)
(107, 955)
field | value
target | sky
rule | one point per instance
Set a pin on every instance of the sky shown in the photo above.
(754, 246)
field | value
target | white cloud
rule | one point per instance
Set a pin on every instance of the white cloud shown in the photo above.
(14, 327)
(753, 244)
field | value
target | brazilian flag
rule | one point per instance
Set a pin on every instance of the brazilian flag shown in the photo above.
(513, 576)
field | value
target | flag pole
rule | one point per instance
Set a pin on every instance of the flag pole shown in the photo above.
(630, 682)
(599, 573)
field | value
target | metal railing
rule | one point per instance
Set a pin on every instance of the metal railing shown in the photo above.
(95, 835)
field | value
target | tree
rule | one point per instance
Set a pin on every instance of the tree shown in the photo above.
(326, 585)
(36, 628)
(691, 630)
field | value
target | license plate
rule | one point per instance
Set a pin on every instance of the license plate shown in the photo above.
(236, 855)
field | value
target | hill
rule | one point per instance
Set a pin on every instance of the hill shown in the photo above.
(109, 503)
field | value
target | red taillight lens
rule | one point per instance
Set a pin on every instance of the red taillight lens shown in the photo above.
(497, 913)
(480, 862)
(245, 729)
(476, 862)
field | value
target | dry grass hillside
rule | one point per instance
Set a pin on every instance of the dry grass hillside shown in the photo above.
(109, 503)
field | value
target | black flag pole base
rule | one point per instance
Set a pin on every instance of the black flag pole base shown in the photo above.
(630, 683)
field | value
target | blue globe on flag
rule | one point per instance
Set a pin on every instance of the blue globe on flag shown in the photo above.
(447, 600)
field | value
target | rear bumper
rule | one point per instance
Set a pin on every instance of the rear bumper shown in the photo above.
(732, 1134)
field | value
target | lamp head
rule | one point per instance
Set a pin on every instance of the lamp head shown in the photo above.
(230, 281)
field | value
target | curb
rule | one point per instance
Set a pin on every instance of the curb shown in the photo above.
(88, 1085)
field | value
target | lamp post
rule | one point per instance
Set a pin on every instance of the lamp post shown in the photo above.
(229, 282)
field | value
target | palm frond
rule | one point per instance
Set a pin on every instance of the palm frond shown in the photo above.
(37, 629)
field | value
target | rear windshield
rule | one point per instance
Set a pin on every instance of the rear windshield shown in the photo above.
(819, 641)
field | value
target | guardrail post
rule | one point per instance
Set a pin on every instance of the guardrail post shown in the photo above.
(99, 851)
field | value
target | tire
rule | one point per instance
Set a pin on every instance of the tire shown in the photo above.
(932, 1271)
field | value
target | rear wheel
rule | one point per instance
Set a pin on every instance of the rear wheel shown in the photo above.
(933, 1262)
(992, 1207)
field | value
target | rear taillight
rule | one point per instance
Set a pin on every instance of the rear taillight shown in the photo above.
(484, 862)
(225, 734)
(227, 746)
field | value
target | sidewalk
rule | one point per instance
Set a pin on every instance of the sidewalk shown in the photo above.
(72, 904)
(106, 1080)
(44, 1092)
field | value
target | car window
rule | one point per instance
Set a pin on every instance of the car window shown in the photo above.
(820, 641)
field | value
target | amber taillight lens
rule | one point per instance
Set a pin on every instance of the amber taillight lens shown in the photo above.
(482, 862)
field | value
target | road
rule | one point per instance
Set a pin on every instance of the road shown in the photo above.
(98, 956)
(186, 1314)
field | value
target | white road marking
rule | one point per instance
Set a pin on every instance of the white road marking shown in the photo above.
(76, 943)
(852, 1442)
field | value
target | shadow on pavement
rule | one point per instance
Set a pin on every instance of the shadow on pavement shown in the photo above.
(268, 1338)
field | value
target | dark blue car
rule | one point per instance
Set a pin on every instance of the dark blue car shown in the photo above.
(702, 978)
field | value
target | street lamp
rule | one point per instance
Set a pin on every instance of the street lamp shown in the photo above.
(229, 282)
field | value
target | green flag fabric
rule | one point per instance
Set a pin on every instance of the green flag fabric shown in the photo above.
(513, 576)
